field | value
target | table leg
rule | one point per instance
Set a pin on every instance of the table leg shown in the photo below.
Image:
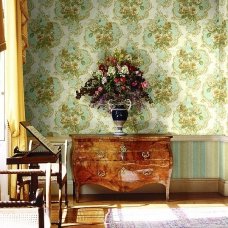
(33, 183)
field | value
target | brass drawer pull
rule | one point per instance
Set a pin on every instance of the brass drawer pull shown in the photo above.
(100, 154)
(123, 149)
(164, 163)
(147, 172)
(101, 173)
(146, 155)
(122, 170)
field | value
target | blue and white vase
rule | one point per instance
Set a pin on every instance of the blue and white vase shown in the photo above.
(119, 115)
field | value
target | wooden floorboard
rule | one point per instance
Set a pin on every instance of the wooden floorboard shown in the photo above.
(91, 210)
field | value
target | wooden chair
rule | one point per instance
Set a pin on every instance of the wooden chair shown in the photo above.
(20, 213)
(58, 175)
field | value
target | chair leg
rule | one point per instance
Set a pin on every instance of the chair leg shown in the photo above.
(19, 187)
(26, 190)
(60, 206)
(66, 194)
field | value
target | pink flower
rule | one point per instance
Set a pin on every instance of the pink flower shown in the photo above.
(100, 89)
(144, 84)
(134, 83)
(138, 73)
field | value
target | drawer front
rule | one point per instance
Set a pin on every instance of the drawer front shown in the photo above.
(127, 151)
(116, 173)
(131, 172)
(97, 150)
(95, 171)
(101, 173)
(147, 150)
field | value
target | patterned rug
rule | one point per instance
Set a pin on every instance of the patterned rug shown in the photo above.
(163, 217)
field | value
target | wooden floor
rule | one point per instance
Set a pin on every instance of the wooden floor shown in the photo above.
(91, 210)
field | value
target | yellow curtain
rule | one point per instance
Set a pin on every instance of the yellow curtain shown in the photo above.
(2, 37)
(15, 107)
(22, 19)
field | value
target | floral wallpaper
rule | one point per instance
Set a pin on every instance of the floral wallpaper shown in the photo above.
(183, 44)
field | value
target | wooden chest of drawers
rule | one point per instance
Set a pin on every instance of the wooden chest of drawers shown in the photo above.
(121, 163)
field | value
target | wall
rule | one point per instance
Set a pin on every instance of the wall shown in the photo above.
(200, 157)
(184, 49)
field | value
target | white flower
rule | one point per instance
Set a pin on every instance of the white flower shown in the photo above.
(104, 80)
(111, 70)
(124, 70)
(99, 73)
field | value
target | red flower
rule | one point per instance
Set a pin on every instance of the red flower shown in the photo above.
(131, 68)
(123, 79)
(111, 61)
(102, 67)
(116, 80)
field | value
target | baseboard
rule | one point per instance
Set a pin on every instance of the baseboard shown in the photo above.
(176, 185)
(223, 187)
(194, 185)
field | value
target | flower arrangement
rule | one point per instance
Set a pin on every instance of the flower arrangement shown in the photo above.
(118, 78)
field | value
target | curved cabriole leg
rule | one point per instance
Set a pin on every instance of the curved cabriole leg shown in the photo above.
(167, 186)
(167, 192)
(74, 190)
(77, 192)
(168, 182)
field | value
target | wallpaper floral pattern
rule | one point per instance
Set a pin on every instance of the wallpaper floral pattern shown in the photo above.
(183, 44)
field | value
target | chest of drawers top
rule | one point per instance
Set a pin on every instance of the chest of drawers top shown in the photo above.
(129, 137)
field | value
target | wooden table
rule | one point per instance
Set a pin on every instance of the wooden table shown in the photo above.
(33, 158)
